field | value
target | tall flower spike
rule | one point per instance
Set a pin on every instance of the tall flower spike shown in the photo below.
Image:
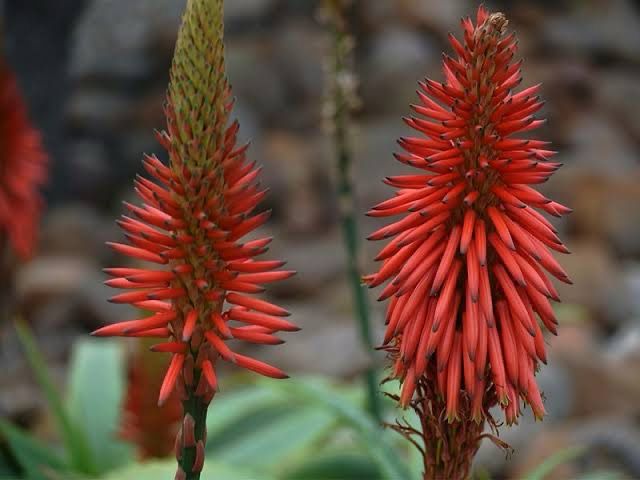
(190, 225)
(24, 168)
(465, 267)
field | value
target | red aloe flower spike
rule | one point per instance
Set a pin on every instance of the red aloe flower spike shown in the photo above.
(466, 264)
(190, 225)
(24, 167)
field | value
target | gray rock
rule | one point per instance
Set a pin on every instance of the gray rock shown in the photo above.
(625, 344)
(397, 59)
(250, 129)
(613, 444)
(597, 283)
(631, 278)
(77, 230)
(91, 308)
(298, 175)
(555, 382)
(623, 221)
(621, 97)
(374, 14)
(93, 173)
(599, 146)
(374, 144)
(330, 344)
(49, 277)
(604, 205)
(113, 37)
(298, 50)
(96, 109)
(597, 28)
(441, 16)
(255, 79)
(65, 290)
(243, 9)
(318, 260)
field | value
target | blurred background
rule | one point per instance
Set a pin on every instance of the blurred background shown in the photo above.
(94, 74)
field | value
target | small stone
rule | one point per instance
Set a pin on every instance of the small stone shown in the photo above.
(113, 37)
(93, 177)
(602, 30)
(98, 108)
(320, 261)
(441, 16)
(298, 48)
(597, 283)
(76, 230)
(248, 59)
(398, 58)
(331, 346)
(238, 10)
(621, 98)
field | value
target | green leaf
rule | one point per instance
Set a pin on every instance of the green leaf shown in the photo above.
(602, 475)
(9, 467)
(258, 426)
(165, 470)
(372, 436)
(74, 441)
(229, 409)
(95, 403)
(558, 458)
(36, 459)
(338, 466)
(287, 434)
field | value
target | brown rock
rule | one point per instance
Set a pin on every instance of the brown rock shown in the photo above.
(597, 283)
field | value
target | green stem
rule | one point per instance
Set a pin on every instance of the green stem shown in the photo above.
(342, 99)
(195, 406)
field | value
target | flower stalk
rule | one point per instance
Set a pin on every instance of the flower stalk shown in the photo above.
(341, 102)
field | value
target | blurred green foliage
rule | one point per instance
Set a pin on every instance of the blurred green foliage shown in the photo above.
(310, 428)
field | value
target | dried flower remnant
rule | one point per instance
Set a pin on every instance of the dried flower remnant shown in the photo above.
(465, 269)
(190, 225)
(23, 168)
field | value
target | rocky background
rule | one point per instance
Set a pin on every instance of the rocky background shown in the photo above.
(95, 73)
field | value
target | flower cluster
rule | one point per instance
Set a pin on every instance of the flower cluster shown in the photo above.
(191, 224)
(24, 168)
(195, 212)
(465, 269)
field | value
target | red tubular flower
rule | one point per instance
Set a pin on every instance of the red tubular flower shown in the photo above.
(190, 226)
(23, 168)
(465, 269)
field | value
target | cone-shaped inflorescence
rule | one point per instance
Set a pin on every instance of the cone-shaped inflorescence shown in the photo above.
(190, 225)
(23, 166)
(465, 269)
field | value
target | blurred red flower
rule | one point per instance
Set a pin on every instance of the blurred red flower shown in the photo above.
(23, 168)
(465, 270)
(151, 428)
